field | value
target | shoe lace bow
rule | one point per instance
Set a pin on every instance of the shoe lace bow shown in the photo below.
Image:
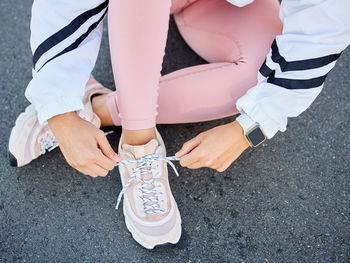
(149, 196)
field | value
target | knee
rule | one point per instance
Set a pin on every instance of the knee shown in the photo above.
(211, 46)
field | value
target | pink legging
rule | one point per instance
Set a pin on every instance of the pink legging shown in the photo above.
(234, 40)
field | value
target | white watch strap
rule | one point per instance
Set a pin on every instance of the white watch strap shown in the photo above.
(246, 122)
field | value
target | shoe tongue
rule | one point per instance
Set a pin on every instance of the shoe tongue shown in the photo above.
(141, 150)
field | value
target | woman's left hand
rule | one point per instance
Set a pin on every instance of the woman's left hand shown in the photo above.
(216, 148)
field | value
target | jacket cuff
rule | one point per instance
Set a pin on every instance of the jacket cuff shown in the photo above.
(59, 106)
(255, 110)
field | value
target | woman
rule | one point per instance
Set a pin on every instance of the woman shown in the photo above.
(240, 43)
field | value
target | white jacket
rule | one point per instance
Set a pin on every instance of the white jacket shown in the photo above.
(66, 36)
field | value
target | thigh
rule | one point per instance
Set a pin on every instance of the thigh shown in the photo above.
(221, 32)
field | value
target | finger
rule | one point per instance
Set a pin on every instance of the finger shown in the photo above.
(81, 170)
(192, 157)
(106, 147)
(98, 170)
(91, 174)
(188, 146)
(88, 173)
(104, 161)
(222, 169)
(195, 165)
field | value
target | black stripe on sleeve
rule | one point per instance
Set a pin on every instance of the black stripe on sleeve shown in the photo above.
(301, 64)
(66, 31)
(297, 83)
(78, 41)
(265, 70)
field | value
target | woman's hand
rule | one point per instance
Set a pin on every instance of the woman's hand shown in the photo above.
(216, 148)
(79, 141)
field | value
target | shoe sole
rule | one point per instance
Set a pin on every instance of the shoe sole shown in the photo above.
(170, 238)
(12, 159)
(16, 130)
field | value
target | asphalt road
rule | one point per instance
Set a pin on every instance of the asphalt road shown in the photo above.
(287, 201)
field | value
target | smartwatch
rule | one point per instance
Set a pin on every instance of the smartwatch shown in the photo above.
(252, 131)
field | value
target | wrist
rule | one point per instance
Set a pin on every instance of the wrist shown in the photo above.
(252, 131)
(61, 120)
(239, 132)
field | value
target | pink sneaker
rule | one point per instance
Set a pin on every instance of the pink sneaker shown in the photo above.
(150, 210)
(29, 139)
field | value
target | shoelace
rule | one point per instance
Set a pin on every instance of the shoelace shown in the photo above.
(48, 143)
(145, 162)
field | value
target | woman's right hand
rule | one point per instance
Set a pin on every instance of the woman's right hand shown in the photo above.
(79, 140)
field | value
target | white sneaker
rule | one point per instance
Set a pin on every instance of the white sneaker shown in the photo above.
(29, 139)
(151, 213)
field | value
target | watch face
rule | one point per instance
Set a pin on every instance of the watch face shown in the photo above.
(256, 136)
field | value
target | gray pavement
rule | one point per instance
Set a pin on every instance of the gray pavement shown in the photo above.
(287, 201)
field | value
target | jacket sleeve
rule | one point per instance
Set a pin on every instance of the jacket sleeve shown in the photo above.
(65, 40)
(315, 32)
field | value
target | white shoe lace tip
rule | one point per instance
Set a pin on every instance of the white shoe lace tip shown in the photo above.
(108, 133)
